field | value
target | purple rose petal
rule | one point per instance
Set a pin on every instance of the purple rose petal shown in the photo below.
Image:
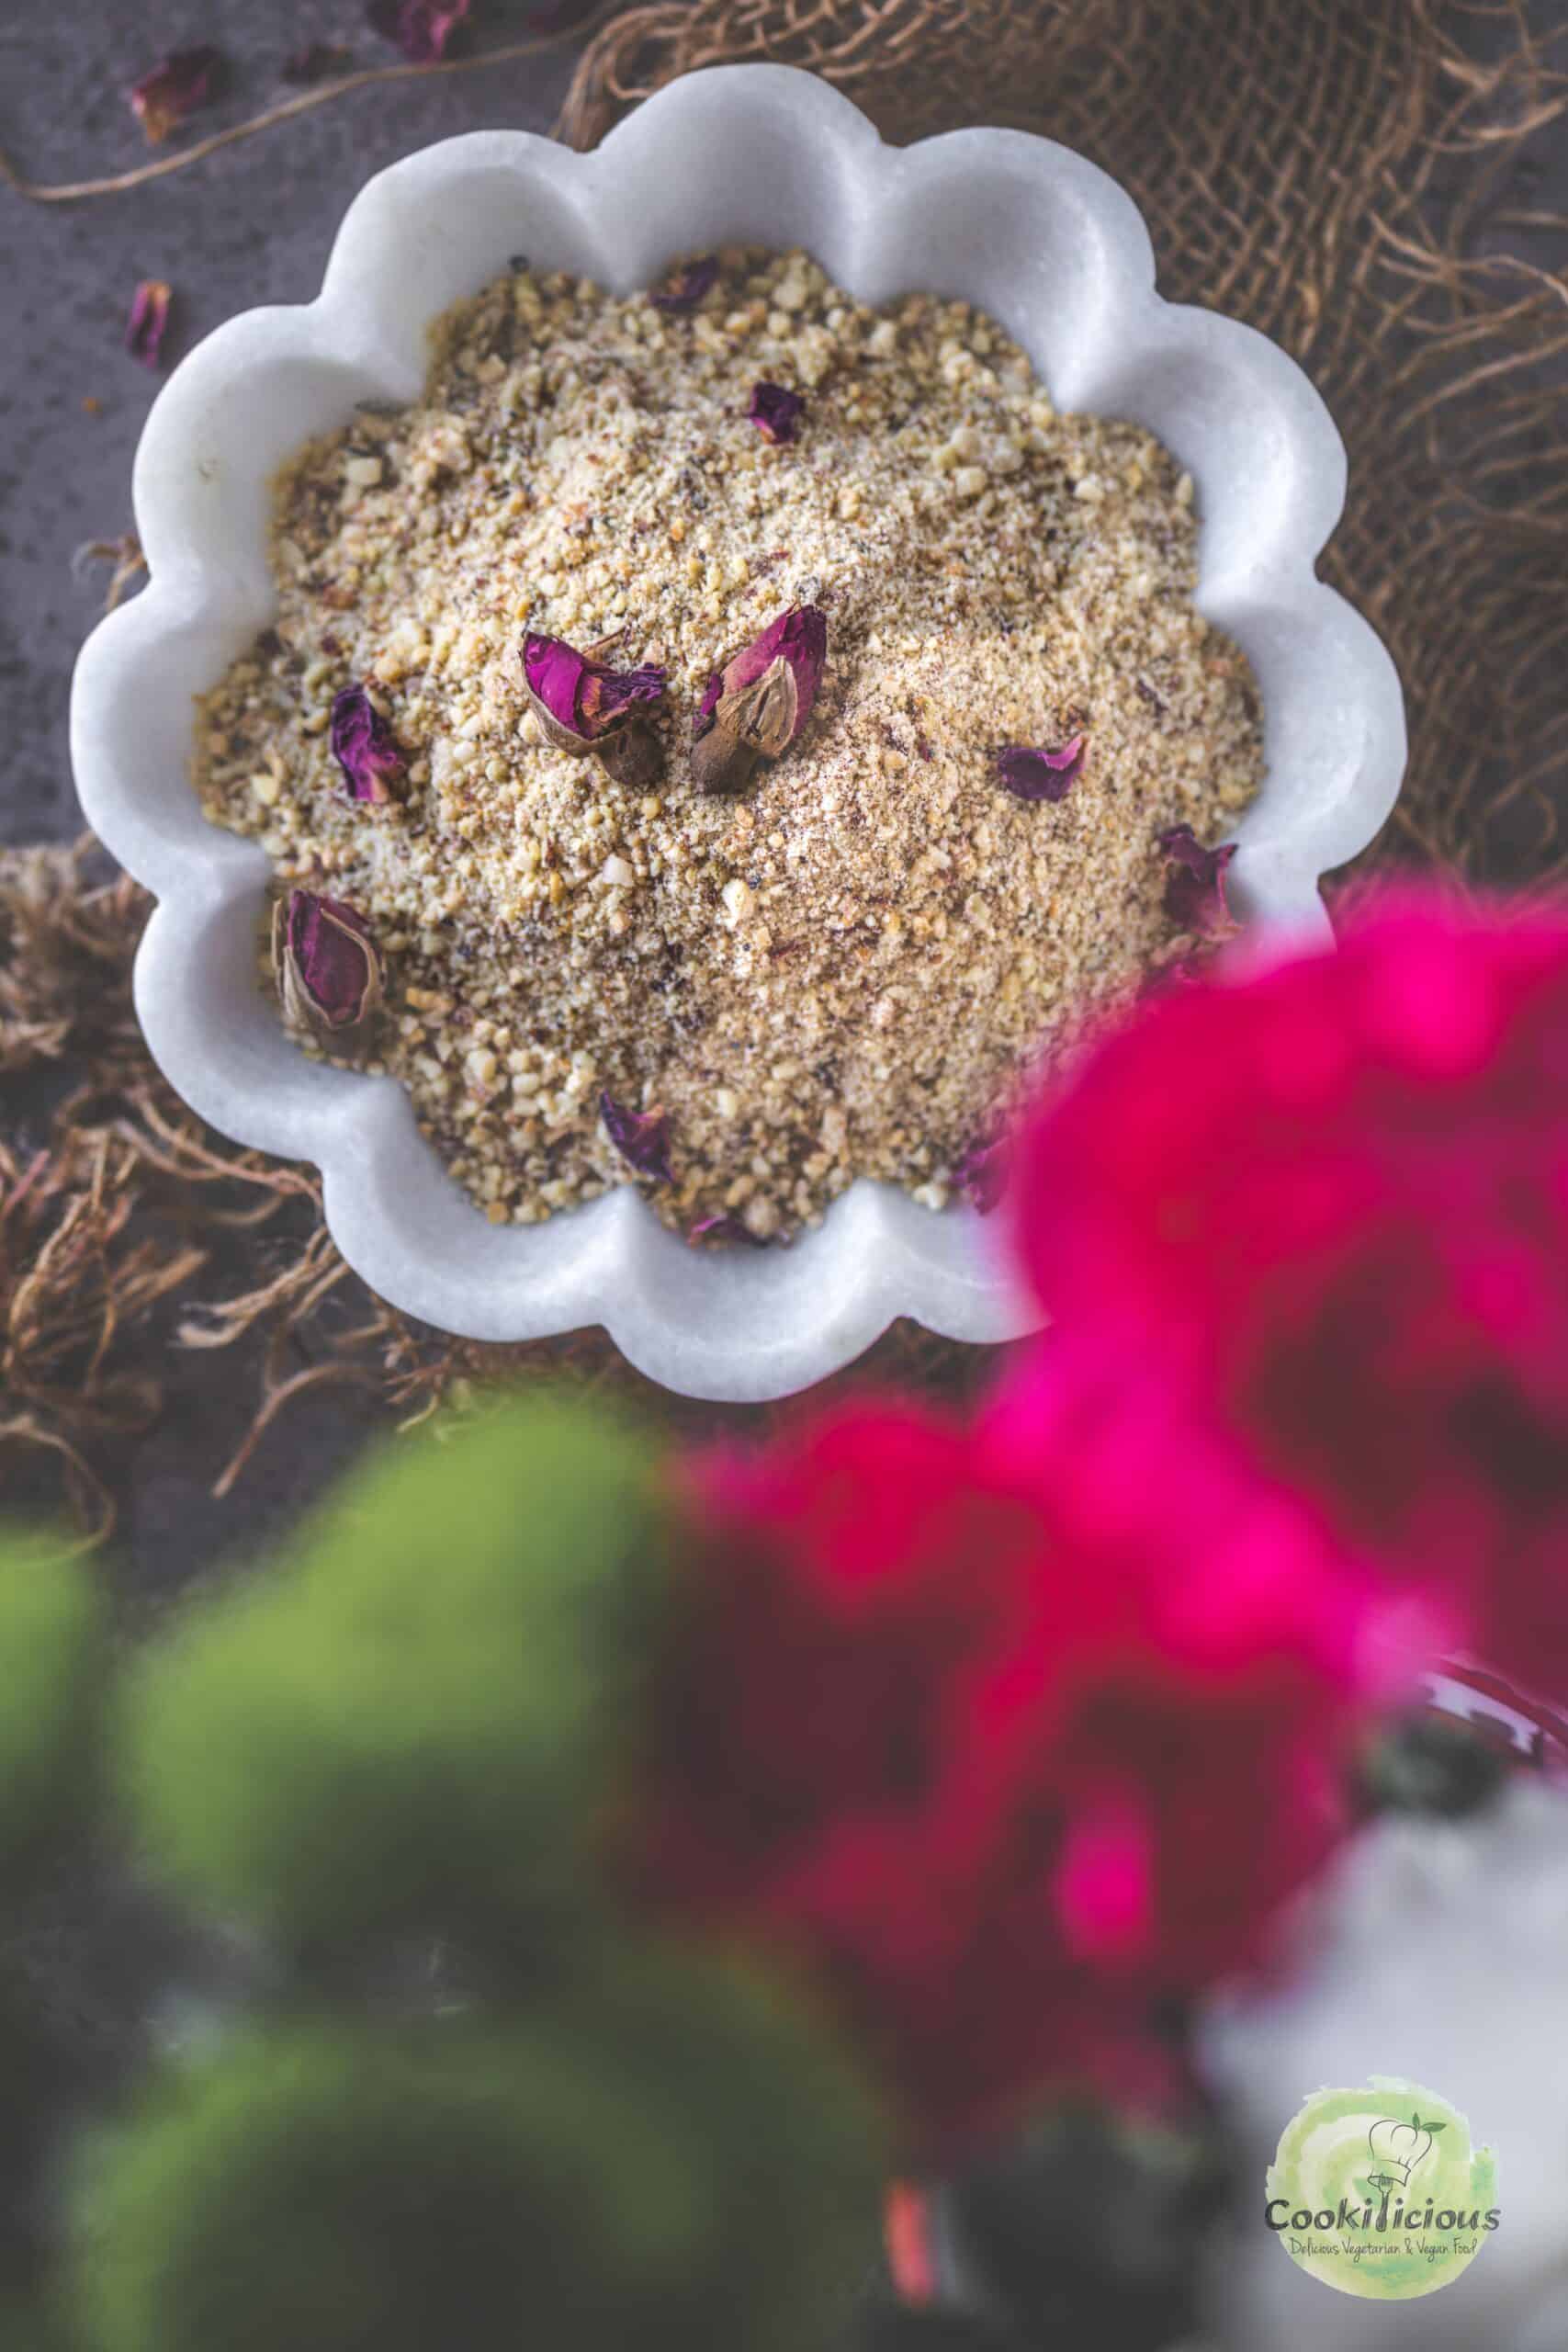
(798, 637)
(642, 1137)
(686, 288)
(981, 1174)
(1195, 881)
(421, 29)
(1030, 773)
(330, 955)
(776, 411)
(723, 1230)
(175, 87)
(364, 747)
(584, 698)
(149, 318)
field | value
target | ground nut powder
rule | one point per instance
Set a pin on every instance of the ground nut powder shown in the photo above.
(842, 970)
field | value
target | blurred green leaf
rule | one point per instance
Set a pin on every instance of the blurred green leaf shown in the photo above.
(53, 1652)
(415, 1716)
(652, 2169)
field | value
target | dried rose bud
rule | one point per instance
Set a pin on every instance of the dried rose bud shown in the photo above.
(776, 411)
(175, 86)
(317, 61)
(642, 1137)
(1029, 774)
(722, 1230)
(684, 288)
(327, 966)
(149, 319)
(577, 699)
(1195, 882)
(364, 747)
(756, 705)
(981, 1174)
(421, 29)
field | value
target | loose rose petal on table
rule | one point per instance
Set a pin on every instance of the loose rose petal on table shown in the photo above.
(149, 319)
(175, 86)
(421, 29)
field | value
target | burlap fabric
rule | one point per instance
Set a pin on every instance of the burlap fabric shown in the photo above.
(1356, 177)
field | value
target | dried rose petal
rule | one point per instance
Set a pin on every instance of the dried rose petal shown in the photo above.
(149, 318)
(317, 61)
(776, 411)
(1031, 774)
(642, 1137)
(364, 746)
(328, 969)
(685, 288)
(1195, 884)
(981, 1174)
(175, 87)
(723, 1228)
(579, 700)
(421, 29)
(756, 705)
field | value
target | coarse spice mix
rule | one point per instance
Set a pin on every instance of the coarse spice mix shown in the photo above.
(589, 969)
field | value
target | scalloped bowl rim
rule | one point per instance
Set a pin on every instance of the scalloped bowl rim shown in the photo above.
(1032, 233)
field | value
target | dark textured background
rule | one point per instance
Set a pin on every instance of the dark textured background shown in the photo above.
(251, 224)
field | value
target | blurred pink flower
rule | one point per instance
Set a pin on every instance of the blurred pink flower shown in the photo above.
(1004, 1735)
(1333, 1200)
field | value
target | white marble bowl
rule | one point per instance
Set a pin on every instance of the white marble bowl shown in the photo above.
(1036, 236)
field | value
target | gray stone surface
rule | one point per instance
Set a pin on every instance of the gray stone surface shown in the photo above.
(252, 224)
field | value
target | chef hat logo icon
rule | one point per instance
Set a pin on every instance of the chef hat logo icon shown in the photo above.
(1399, 2147)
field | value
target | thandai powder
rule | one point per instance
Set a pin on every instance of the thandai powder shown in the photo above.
(718, 739)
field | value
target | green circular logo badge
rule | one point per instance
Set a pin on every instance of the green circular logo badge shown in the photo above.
(1379, 2192)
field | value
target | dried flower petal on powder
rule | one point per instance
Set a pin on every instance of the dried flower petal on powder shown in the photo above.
(776, 411)
(579, 700)
(148, 320)
(328, 969)
(723, 1227)
(757, 704)
(1032, 773)
(1195, 884)
(686, 288)
(364, 746)
(642, 1137)
(981, 1173)
(175, 86)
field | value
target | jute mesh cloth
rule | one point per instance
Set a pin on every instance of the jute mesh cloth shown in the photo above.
(1356, 177)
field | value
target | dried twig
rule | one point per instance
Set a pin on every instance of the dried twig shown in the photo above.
(285, 110)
